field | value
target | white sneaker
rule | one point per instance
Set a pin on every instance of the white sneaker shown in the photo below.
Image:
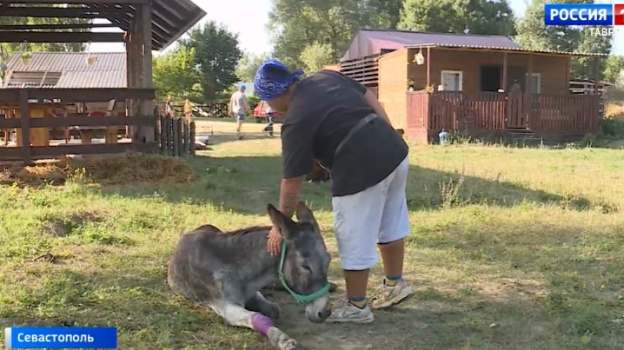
(346, 312)
(392, 295)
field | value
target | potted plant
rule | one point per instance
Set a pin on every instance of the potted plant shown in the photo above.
(26, 57)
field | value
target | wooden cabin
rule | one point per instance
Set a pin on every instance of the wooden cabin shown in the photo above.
(472, 84)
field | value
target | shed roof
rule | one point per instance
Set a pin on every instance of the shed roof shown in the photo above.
(368, 42)
(170, 18)
(109, 70)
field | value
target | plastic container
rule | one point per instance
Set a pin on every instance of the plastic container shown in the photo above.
(445, 137)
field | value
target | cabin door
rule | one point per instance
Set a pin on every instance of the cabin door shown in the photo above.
(515, 103)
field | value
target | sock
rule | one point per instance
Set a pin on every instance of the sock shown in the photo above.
(359, 302)
(392, 281)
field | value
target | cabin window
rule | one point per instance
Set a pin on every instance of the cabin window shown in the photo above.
(452, 80)
(536, 83)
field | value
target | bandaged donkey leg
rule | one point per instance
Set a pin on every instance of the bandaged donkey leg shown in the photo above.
(237, 315)
(277, 338)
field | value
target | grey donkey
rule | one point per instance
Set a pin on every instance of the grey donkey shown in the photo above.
(225, 271)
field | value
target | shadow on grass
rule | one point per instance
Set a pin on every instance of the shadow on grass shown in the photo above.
(148, 316)
(247, 184)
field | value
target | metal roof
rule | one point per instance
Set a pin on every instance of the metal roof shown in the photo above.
(109, 70)
(507, 49)
(368, 42)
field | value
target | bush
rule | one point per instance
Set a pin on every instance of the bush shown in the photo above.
(613, 127)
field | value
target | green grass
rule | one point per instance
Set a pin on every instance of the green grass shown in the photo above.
(510, 249)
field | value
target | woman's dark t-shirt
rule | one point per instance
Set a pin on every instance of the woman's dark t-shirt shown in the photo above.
(325, 106)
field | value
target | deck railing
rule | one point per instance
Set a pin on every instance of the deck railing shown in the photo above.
(493, 111)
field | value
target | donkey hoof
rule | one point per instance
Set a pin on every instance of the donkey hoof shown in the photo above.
(289, 344)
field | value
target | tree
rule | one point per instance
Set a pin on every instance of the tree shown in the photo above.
(248, 66)
(216, 57)
(533, 34)
(614, 69)
(455, 16)
(330, 24)
(175, 73)
(316, 56)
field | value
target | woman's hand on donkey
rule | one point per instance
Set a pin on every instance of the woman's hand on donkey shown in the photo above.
(274, 240)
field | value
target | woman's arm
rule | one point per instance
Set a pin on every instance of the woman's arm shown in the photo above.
(374, 102)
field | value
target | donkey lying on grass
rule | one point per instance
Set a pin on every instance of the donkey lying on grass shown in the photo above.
(225, 272)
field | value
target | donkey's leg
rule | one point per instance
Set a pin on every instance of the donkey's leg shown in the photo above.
(260, 304)
(236, 315)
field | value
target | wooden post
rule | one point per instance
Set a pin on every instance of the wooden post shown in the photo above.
(163, 135)
(529, 93)
(175, 151)
(144, 21)
(429, 66)
(505, 69)
(180, 127)
(192, 137)
(596, 74)
(169, 135)
(25, 124)
(185, 137)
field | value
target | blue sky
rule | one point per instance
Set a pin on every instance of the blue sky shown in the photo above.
(248, 18)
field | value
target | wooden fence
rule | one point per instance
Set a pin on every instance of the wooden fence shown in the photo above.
(497, 113)
(176, 136)
(30, 113)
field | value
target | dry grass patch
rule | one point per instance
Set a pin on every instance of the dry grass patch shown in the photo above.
(105, 169)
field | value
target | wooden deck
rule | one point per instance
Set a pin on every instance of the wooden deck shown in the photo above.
(497, 114)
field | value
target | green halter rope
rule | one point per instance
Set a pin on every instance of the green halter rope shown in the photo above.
(300, 299)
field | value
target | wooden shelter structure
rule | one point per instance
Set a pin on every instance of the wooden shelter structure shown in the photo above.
(145, 25)
(472, 84)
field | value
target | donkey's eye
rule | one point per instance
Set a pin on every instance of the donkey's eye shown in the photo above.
(306, 267)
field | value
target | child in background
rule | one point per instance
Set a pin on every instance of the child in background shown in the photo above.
(188, 110)
(269, 116)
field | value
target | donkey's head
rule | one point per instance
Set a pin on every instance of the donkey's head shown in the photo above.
(306, 260)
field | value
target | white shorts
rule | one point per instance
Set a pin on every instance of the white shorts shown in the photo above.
(376, 215)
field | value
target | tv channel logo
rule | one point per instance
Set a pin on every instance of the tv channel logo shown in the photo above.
(583, 14)
(618, 14)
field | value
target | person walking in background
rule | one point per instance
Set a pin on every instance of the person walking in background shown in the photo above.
(269, 117)
(169, 112)
(238, 107)
(188, 111)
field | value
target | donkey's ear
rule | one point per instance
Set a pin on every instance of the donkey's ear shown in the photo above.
(304, 214)
(285, 224)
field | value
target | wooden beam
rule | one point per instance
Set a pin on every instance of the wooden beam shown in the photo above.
(56, 26)
(529, 82)
(428, 66)
(146, 133)
(11, 96)
(59, 37)
(86, 2)
(61, 150)
(25, 124)
(521, 52)
(78, 120)
(55, 12)
(505, 69)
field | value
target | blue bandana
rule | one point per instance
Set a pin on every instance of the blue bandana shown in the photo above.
(269, 83)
